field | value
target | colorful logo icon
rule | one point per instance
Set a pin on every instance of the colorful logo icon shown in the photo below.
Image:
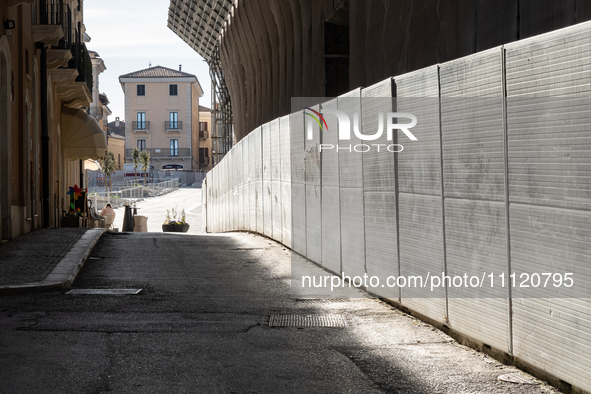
(317, 118)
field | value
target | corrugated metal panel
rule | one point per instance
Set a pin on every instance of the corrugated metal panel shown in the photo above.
(252, 211)
(331, 210)
(473, 173)
(267, 176)
(286, 208)
(313, 223)
(331, 225)
(475, 242)
(352, 231)
(286, 214)
(285, 151)
(379, 188)
(421, 252)
(276, 210)
(351, 193)
(378, 165)
(298, 228)
(350, 163)
(313, 189)
(297, 147)
(419, 164)
(472, 129)
(550, 193)
(276, 180)
(419, 178)
(275, 149)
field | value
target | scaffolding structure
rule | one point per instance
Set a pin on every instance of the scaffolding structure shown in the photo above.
(221, 110)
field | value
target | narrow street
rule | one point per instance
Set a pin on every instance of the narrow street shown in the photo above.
(201, 324)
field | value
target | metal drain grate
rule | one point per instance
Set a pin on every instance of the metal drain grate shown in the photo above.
(321, 300)
(295, 320)
(104, 291)
(248, 249)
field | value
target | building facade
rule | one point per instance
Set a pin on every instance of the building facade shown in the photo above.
(45, 87)
(162, 116)
(205, 158)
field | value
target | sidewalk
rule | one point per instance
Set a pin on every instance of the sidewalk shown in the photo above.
(45, 259)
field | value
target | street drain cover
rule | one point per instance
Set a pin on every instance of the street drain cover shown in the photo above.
(516, 378)
(321, 300)
(104, 291)
(296, 320)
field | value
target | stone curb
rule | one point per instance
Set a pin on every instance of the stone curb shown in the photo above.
(63, 275)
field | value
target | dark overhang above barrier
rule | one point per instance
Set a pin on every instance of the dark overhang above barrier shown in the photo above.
(199, 22)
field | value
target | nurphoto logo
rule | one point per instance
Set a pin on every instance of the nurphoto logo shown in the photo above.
(344, 123)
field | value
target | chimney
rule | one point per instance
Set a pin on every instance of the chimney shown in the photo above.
(117, 122)
(180, 67)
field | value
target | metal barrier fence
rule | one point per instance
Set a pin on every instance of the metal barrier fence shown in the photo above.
(499, 185)
(131, 195)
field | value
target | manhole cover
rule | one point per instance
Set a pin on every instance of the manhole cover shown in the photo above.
(295, 320)
(104, 291)
(516, 378)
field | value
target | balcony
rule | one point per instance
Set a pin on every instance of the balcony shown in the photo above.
(141, 126)
(164, 153)
(173, 126)
(203, 134)
(67, 57)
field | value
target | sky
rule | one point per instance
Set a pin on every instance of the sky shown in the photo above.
(128, 35)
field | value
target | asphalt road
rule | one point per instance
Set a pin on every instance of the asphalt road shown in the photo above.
(201, 325)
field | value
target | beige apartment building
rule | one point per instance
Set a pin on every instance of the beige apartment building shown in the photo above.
(45, 132)
(162, 116)
(205, 145)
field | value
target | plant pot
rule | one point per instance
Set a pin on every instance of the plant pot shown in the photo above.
(175, 228)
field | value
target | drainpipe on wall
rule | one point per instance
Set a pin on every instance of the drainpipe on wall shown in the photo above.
(44, 137)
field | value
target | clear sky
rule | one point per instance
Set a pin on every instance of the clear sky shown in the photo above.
(128, 35)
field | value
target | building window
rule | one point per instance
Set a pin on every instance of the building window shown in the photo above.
(119, 160)
(203, 156)
(174, 147)
(141, 90)
(141, 120)
(141, 144)
(202, 129)
(173, 90)
(173, 117)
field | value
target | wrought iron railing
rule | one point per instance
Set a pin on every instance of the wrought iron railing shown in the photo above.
(176, 125)
(158, 153)
(143, 125)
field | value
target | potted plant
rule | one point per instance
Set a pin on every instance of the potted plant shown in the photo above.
(172, 225)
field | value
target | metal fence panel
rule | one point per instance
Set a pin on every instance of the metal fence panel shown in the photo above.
(267, 177)
(331, 209)
(351, 193)
(550, 194)
(285, 157)
(313, 189)
(379, 188)
(419, 178)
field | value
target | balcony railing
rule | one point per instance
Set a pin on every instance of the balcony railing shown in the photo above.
(143, 125)
(160, 153)
(177, 125)
(81, 61)
(203, 134)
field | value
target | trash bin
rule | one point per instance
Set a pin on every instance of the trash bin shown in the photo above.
(128, 221)
(141, 224)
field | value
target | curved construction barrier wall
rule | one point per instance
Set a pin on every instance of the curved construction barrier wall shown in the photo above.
(505, 189)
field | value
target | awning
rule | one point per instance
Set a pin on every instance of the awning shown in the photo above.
(82, 137)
